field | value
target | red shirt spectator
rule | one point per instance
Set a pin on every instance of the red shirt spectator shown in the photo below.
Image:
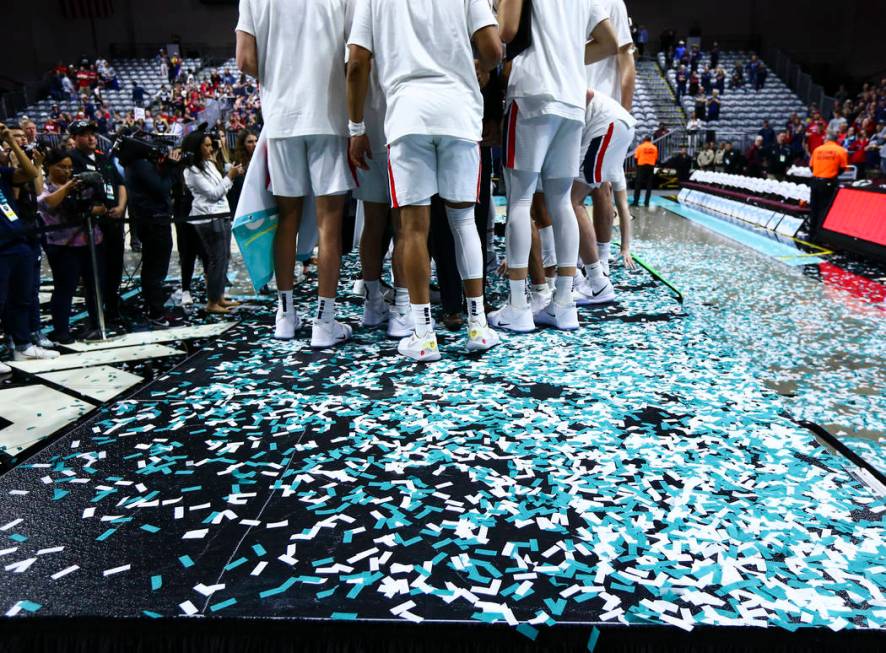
(82, 78)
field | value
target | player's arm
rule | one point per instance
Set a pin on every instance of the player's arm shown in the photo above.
(603, 43)
(247, 54)
(509, 13)
(627, 76)
(488, 42)
(359, 67)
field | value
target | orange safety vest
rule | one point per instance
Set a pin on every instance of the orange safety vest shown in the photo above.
(647, 154)
(829, 160)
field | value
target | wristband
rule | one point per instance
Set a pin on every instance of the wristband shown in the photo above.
(356, 128)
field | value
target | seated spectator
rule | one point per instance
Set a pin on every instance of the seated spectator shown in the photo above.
(661, 131)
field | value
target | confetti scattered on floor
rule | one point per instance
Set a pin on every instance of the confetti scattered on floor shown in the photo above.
(639, 471)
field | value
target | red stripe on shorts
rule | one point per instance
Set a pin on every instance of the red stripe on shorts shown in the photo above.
(395, 203)
(601, 155)
(479, 173)
(512, 137)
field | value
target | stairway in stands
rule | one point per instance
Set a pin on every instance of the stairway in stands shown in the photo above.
(654, 101)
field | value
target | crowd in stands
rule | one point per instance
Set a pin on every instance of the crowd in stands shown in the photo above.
(177, 104)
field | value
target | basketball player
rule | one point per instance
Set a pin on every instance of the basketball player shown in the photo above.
(422, 49)
(614, 77)
(295, 49)
(373, 191)
(546, 106)
(608, 133)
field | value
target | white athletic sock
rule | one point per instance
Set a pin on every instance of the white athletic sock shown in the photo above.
(401, 300)
(284, 301)
(563, 292)
(539, 287)
(603, 251)
(476, 314)
(325, 309)
(373, 289)
(421, 314)
(518, 294)
(552, 282)
(594, 271)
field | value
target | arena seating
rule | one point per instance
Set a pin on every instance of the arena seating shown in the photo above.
(743, 110)
(144, 71)
(654, 101)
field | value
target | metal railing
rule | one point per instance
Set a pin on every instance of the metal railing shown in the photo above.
(668, 145)
(798, 81)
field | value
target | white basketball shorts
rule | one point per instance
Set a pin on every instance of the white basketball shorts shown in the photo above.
(302, 165)
(421, 166)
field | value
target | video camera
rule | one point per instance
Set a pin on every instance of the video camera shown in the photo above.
(140, 146)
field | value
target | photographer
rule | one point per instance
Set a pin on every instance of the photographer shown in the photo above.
(209, 189)
(16, 259)
(86, 157)
(150, 182)
(65, 202)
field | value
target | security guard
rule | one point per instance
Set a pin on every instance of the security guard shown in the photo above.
(86, 157)
(828, 162)
(647, 156)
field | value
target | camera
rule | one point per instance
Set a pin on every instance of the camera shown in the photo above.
(140, 146)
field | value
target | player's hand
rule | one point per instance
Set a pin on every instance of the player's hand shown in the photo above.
(4, 133)
(116, 213)
(175, 156)
(99, 210)
(629, 262)
(235, 171)
(37, 157)
(360, 151)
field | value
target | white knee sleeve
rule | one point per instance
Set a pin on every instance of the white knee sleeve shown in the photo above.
(548, 246)
(521, 186)
(566, 235)
(468, 250)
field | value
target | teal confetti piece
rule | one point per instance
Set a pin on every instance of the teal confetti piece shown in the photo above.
(223, 604)
(528, 631)
(344, 616)
(106, 535)
(149, 528)
(592, 641)
(186, 561)
(156, 583)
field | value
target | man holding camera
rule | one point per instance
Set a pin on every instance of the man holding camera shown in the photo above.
(16, 259)
(150, 183)
(87, 158)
